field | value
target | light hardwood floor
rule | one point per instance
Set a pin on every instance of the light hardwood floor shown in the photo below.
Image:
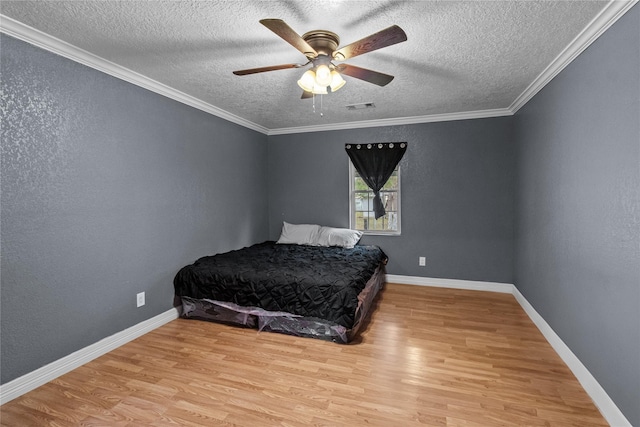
(428, 356)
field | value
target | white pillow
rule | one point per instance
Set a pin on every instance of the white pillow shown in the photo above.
(343, 237)
(299, 234)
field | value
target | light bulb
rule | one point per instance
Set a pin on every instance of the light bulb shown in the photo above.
(307, 81)
(336, 81)
(323, 75)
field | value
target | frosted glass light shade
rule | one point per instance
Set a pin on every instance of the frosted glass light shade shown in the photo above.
(307, 81)
(336, 81)
(319, 90)
(323, 75)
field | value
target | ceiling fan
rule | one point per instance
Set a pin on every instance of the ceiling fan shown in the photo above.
(321, 49)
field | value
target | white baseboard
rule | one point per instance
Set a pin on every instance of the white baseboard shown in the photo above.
(600, 398)
(470, 285)
(53, 370)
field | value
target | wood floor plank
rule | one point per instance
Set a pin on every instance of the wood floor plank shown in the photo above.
(426, 357)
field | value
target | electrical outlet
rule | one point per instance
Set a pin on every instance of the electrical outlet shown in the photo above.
(140, 299)
(422, 261)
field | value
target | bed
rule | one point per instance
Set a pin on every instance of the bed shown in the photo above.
(308, 287)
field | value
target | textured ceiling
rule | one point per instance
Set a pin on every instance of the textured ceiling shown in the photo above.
(460, 56)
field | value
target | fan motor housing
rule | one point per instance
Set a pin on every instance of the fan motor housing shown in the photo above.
(323, 41)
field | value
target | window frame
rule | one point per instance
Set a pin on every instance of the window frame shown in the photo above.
(352, 205)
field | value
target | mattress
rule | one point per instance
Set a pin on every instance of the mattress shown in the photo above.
(322, 292)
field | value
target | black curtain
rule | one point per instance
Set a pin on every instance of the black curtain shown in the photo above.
(375, 163)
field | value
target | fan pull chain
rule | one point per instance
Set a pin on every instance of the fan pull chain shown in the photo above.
(314, 105)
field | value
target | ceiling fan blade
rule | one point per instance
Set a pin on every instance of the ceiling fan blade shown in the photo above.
(384, 38)
(281, 28)
(365, 74)
(264, 69)
(306, 95)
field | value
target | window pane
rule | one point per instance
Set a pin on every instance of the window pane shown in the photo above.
(363, 217)
(360, 222)
(360, 184)
(392, 183)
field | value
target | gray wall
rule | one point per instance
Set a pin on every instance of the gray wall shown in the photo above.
(457, 194)
(107, 190)
(578, 209)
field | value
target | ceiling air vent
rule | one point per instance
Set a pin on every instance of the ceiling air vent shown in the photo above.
(361, 106)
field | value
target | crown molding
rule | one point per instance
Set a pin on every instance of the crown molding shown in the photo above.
(466, 115)
(45, 41)
(605, 19)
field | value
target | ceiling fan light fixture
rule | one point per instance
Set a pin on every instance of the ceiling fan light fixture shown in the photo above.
(323, 75)
(336, 81)
(307, 81)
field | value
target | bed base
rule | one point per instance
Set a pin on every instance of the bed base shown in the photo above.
(283, 322)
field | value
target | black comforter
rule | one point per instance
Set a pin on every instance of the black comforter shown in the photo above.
(308, 281)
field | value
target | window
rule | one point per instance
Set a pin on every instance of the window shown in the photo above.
(361, 204)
